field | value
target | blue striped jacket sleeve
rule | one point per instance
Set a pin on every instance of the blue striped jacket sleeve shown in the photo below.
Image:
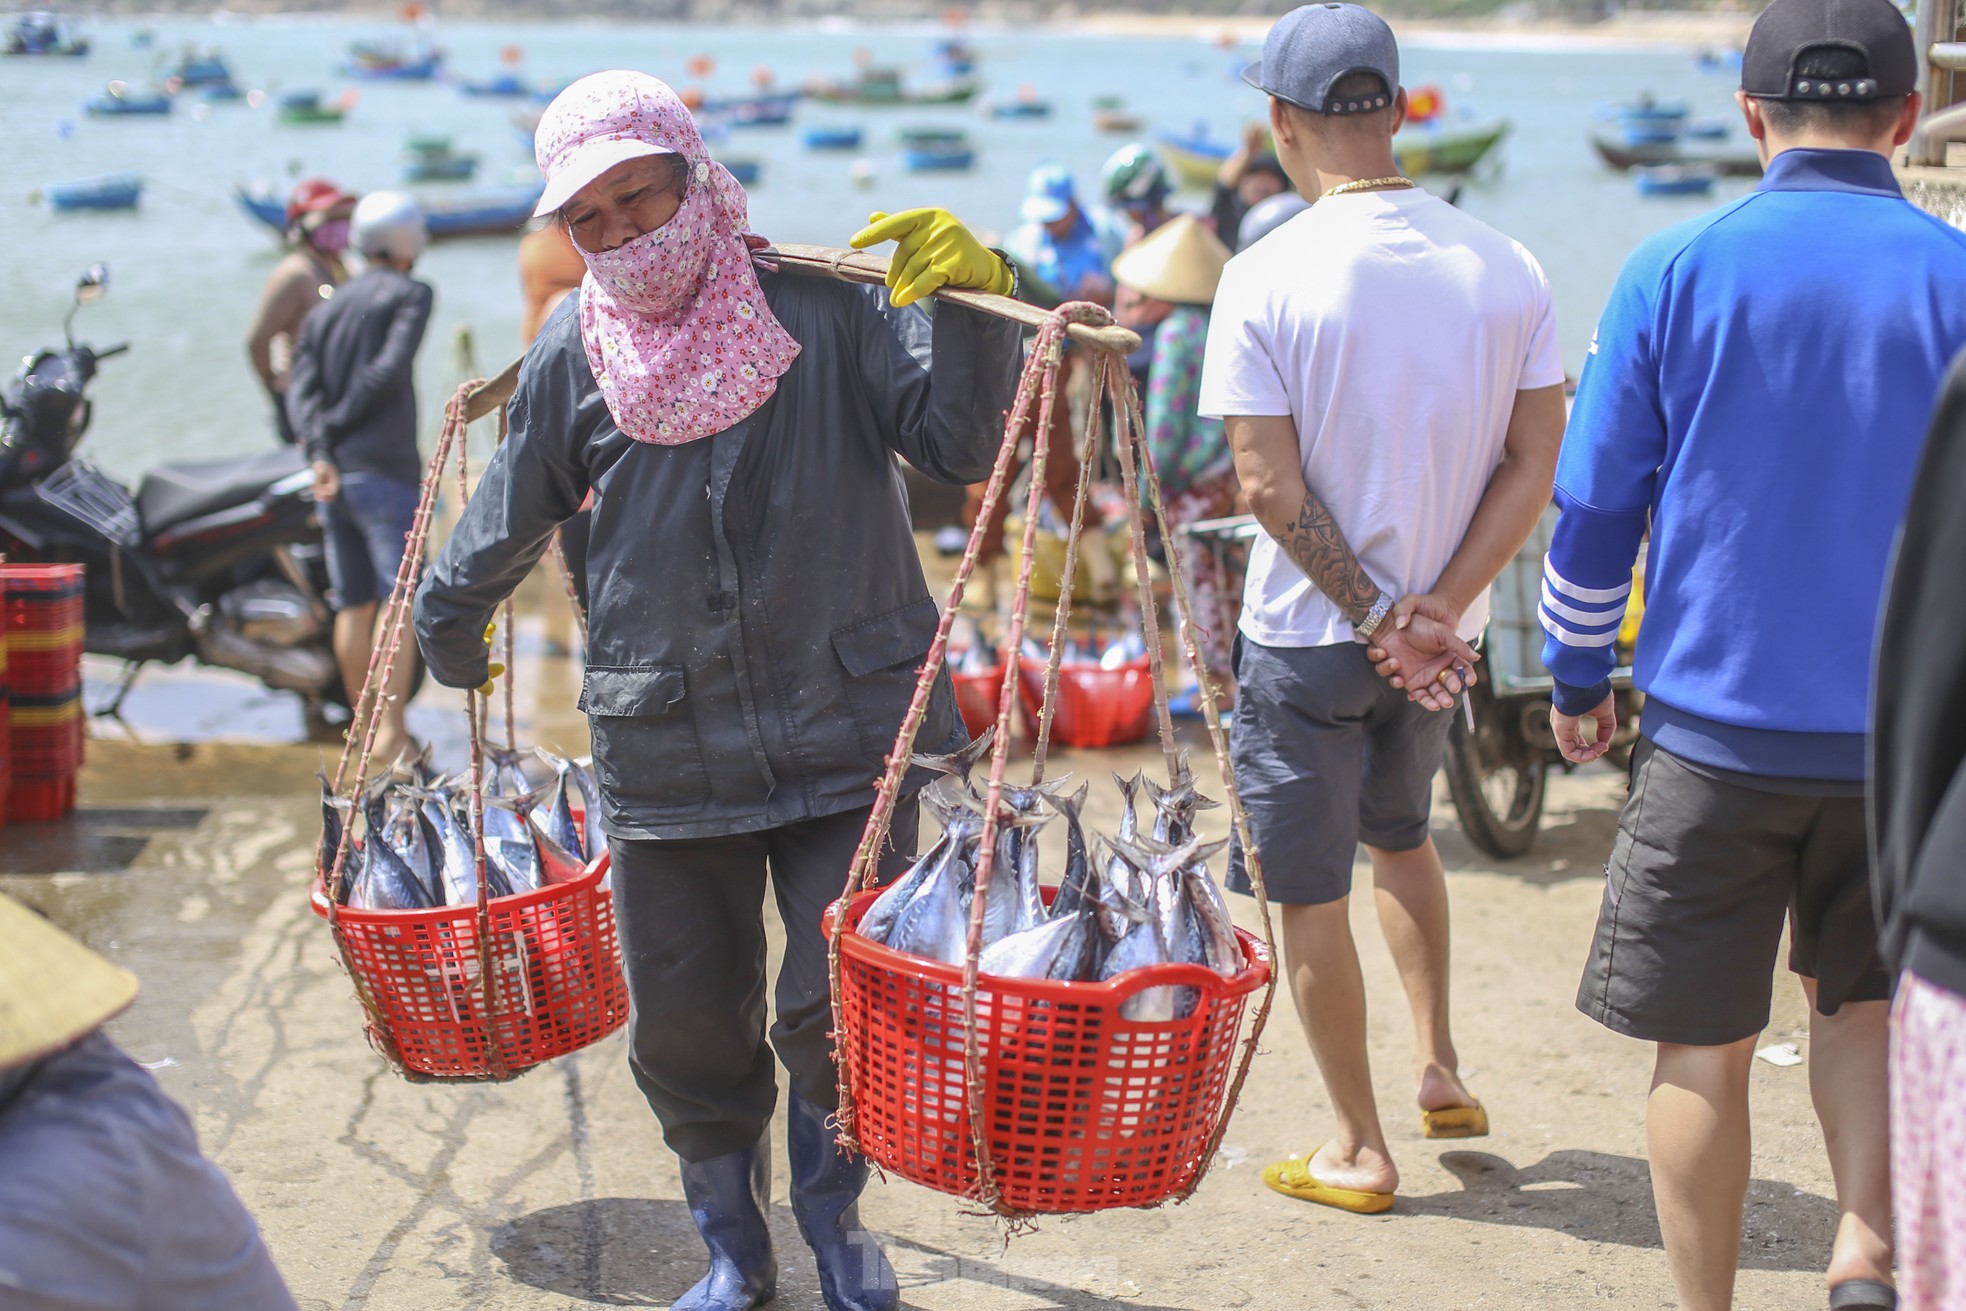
(1605, 478)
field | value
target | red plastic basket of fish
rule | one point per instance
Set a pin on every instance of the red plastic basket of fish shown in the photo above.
(976, 697)
(1086, 1110)
(556, 977)
(1096, 707)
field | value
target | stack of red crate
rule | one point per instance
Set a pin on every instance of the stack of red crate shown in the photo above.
(44, 667)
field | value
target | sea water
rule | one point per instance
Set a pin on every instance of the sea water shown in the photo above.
(187, 267)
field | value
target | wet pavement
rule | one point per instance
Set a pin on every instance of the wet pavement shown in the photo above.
(188, 863)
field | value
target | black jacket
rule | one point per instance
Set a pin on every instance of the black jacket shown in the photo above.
(1918, 742)
(759, 612)
(350, 395)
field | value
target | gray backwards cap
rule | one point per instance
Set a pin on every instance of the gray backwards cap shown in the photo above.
(1313, 46)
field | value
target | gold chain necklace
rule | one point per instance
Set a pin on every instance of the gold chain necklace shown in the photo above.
(1369, 184)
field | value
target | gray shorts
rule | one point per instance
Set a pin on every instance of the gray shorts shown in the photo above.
(1702, 874)
(1327, 755)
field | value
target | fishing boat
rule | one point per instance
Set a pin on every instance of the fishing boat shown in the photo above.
(198, 68)
(118, 99)
(1674, 179)
(1647, 112)
(432, 159)
(754, 111)
(378, 62)
(111, 191)
(883, 86)
(1446, 147)
(1715, 128)
(949, 158)
(305, 108)
(1027, 105)
(142, 38)
(930, 137)
(957, 57)
(746, 171)
(500, 86)
(476, 211)
(1115, 119)
(219, 93)
(44, 34)
(1621, 155)
(832, 138)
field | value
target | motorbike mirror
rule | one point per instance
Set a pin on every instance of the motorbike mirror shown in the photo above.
(92, 285)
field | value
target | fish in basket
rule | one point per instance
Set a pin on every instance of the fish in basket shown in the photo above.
(452, 989)
(1108, 1006)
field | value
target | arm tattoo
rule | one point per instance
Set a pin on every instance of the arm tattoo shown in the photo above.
(1313, 540)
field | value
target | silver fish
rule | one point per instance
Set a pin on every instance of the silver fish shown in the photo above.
(958, 764)
(556, 863)
(1078, 861)
(558, 820)
(878, 923)
(593, 841)
(935, 923)
(387, 883)
(509, 843)
(1034, 953)
(1141, 946)
(457, 861)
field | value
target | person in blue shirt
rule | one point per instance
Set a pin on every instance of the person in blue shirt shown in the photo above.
(1755, 399)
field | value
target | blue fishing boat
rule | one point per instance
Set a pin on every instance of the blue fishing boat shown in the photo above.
(1716, 128)
(477, 211)
(221, 93)
(1027, 105)
(1647, 112)
(431, 159)
(375, 62)
(119, 99)
(508, 86)
(746, 171)
(44, 34)
(754, 111)
(1674, 179)
(111, 191)
(832, 138)
(196, 68)
(937, 159)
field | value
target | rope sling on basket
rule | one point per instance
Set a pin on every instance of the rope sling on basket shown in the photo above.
(524, 965)
(1030, 1095)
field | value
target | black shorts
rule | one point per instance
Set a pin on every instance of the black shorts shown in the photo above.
(1702, 874)
(1327, 755)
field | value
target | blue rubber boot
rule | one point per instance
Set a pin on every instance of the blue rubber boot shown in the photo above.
(854, 1274)
(727, 1198)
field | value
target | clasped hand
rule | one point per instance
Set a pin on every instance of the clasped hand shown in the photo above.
(1416, 648)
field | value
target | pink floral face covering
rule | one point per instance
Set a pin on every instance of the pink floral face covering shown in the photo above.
(677, 331)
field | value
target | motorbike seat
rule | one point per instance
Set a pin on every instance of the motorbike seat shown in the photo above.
(170, 494)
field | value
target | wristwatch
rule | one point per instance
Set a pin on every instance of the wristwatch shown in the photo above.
(1363, 630)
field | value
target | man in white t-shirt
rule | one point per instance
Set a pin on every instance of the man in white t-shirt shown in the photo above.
(1387, 368)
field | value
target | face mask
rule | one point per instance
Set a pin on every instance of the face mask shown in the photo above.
(330, 238)
(659, 272)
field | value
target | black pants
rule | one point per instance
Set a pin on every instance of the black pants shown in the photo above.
(693, 945)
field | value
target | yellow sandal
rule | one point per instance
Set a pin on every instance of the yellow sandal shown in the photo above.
(1455, 1122)
(1293, 1178)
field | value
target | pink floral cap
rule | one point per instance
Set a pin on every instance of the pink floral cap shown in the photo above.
(606, 119)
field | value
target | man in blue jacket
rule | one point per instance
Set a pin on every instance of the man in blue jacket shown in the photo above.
(1756, 396)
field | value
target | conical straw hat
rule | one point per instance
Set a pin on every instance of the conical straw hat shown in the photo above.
(1181, 261)
(53, 990)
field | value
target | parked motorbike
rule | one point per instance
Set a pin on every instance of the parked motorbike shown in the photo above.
(1501, 747)
(219, 560)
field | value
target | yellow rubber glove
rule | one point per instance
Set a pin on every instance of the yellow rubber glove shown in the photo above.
(494, 669)
(933, 250)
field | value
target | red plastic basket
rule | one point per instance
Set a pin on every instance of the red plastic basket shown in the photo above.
(557, 982)
(1086, 1110)
(976, 697)
(1096, 707)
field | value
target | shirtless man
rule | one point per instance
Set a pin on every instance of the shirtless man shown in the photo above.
(317, 229)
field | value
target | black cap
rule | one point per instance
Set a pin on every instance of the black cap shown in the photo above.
(1787, 30)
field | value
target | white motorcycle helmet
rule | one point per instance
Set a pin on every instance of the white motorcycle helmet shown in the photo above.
(388, 224)
(1267, 215)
